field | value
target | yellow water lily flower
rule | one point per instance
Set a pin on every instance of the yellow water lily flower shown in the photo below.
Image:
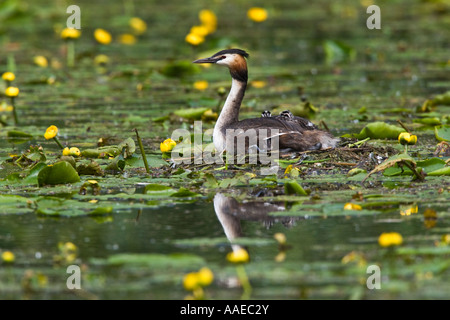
(102, 36)
(167, 145)
(127, 39)
(70, 33)
(194, 39)
(208, 19)
(138, 25)
(352, 206)
(257, 14)
(6, 107)
(66, 151)
(238, 256)
(205, 276)
(190, 281)
(41, 61)
(195, 280)
(12, 92)
(209, 115)
(101, 59)
(8, 256)
(387, 239)
(430, 218)
(408, 210)
(8, 76)
(74, 152)
(201, 85)
(51, 132)
(201, 30)
(354, 256)
(69, 246)
(280, 237)
(258, 84)
(281, 256)
(406, 138)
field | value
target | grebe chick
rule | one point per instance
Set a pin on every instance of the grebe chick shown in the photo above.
(298, 134)
(287, 115)
(266, 114)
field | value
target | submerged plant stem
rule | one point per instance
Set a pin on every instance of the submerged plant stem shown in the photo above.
(58, 143)
(403, 126)
(70, 53)
(243, 279)
(141, 147)
(413, 169)
(16, 120)
(358, 143)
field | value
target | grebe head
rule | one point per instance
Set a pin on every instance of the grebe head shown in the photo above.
(234, 59)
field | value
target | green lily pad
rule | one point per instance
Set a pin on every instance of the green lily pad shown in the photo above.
(32, 177)
(153, 161)
(18, 134)
(336, 51)
(129, 146)
(424, 251)
(157, 261)
(292, 187)
(60, 173)
(154, 187)
(101, 152)
(91, 168)
(428, 121)
(54, 206)
(183, 192)
(380, 130)
(11, 204)
(428, 165)
(442, 132)
(192, 113)
(180, 68)
(392, 162)
(117, 165)
(441, 99)
(440, 172)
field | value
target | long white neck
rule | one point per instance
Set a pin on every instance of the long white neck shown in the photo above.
(229, 113)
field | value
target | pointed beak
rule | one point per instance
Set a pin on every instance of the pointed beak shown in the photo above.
(206, 60)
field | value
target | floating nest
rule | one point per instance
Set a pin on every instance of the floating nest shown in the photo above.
(341, 159)
(346, 156)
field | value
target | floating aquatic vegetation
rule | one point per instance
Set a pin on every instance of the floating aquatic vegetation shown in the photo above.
(257, 14)
(70, 35)
(442, 132)
(379, 130)
(59, 173)
(388, 239)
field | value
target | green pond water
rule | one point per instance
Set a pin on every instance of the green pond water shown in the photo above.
(139, 234)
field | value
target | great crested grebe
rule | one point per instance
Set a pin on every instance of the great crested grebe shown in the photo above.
(294, 133)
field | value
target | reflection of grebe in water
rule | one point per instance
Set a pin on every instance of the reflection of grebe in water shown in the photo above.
(230, 213)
